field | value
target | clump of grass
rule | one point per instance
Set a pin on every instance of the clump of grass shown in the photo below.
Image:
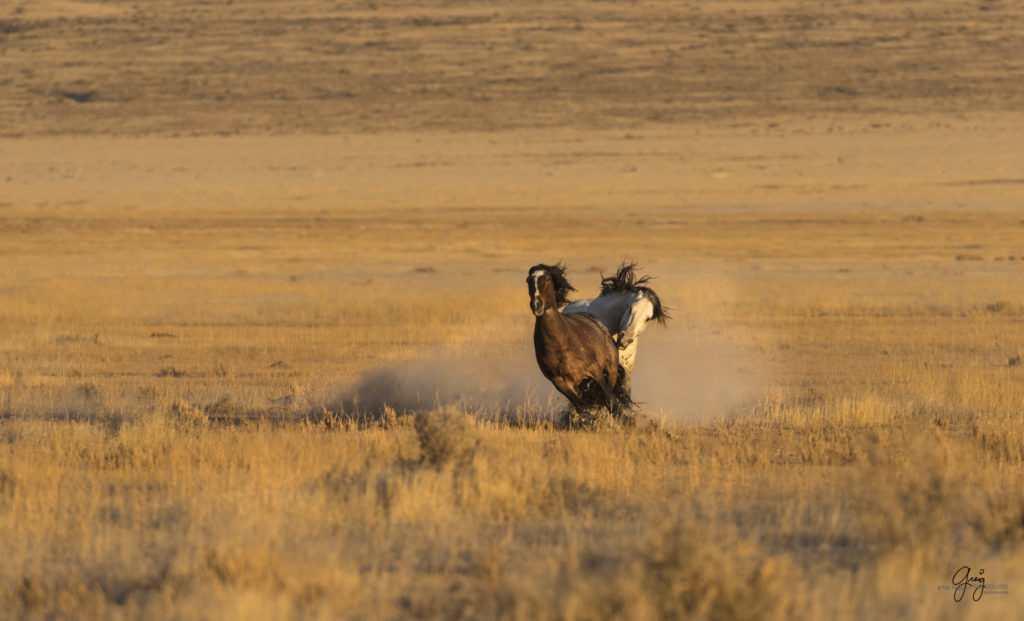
(325, 419)
(1000, 306)
(186, 417)
(226, 409)
(171, 372)
(391, 419)
(683, 575)
(446, 436)
(89, 390)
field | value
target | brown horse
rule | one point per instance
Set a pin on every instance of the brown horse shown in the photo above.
(575, 352)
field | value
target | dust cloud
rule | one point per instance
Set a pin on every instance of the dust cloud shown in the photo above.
(486, 382)
(681, 375)
(690, 374)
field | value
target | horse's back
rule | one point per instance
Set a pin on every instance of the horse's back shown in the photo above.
(603, 308)
(586, 322)
(578, 306)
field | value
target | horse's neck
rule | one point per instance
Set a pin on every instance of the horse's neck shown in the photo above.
(551, 326)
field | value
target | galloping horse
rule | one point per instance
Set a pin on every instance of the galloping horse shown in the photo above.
(626, 305)
(575, 352)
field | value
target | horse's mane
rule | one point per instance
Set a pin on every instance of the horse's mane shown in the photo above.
(660, 312)
(561, 283)
(626, 280)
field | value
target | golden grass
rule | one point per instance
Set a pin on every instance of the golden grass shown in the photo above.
(174, 442)
(781, 515)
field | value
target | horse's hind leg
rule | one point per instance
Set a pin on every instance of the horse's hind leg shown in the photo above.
(609, 397)
(623, 390)
(623, 385)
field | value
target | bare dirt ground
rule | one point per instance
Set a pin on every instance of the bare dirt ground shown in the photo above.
(218, 218)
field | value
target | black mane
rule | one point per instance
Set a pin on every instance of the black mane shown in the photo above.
(562, 286)
(660, 312)
(626, 280)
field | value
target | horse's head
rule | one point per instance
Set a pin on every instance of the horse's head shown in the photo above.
(549, 288)
(646, 307)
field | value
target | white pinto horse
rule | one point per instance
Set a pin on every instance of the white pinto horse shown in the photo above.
(626, 306)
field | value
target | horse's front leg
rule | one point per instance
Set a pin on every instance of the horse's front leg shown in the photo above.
(566, 388)
(624, 387)
(608, 388)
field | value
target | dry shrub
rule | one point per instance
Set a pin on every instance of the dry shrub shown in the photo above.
(446, 436)
(1000, 306)
(171, 372)
(38, 599)
(184, 416)
(228, 410)
(683, 574)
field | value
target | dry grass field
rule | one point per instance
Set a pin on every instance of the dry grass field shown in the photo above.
(265, 344)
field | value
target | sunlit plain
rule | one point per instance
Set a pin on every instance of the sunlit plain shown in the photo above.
(267, 351)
